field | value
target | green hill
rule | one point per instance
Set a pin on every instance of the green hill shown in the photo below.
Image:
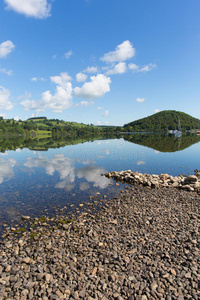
(163, 121)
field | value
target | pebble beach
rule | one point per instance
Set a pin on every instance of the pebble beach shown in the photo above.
(142, 244)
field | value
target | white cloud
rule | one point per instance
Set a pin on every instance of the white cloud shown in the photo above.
(85, 103)
(80, 77)
(4, 99)
(62, 99)
(133, 67)
(156, 110)
(16, 118)
(97, 87)
(62, 80)
(99, 107)
(34, 79)
(7, 72)
(68, 54)
(3, 115)
(106, 113)
(91, 70)
(39, 9)
(140, 100)
(5, 48)
(122, 52)
(147, 68)
(119, 68)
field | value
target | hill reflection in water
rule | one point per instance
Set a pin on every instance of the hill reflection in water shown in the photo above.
(163, 142)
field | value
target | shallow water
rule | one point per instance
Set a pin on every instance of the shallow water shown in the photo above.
(38, 182)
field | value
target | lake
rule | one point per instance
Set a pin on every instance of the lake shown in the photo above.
(39, 176)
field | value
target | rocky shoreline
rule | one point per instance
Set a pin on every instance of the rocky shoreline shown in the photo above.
(142, 244)
(190, 183)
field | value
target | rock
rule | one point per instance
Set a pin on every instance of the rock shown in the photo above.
(27, 260)
(142, 244)
(154, 285)
(47, 277)
(173, 272)
(25, 218)
(191, 178)
(65, 226)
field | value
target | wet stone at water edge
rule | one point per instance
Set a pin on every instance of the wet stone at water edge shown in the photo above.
(142, 244)
(190, 183)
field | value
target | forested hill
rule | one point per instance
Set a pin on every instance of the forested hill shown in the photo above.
(163, 121)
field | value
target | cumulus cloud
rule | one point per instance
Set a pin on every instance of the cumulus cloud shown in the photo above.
(91, 70)
(140, 100)
(99, 107)
(81, 77)
(5, 99)
(106, 113)
(156, 110)
(97, 87)
(62, 99)
(5, 48)
(119, 68)
(5, 71)
(62, 80)
(39, 9)
(68, 54)
(122, 52)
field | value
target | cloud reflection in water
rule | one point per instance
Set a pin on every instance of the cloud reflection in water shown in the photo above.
(65, 167)
(6, 168)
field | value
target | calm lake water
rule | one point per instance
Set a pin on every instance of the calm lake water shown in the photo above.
(35, 182)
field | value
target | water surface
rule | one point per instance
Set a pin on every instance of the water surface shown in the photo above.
(35, 178)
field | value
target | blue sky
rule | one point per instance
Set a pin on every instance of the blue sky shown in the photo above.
(99, 61)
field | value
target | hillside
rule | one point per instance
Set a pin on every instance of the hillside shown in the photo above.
(41, 126)
(163, 121)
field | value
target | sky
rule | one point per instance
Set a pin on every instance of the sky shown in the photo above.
(101, 62)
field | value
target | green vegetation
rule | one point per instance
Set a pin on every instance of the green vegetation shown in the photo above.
(163, 121)
(20, 230)
(43, 127)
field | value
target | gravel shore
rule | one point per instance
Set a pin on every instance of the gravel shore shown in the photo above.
(143, 244)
